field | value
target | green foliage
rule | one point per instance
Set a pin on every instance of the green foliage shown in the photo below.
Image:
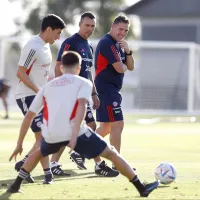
(105, 10)
(106, 13)
(33, 23)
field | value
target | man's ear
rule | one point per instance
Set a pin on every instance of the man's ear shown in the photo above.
(61, 68)
(49, 29)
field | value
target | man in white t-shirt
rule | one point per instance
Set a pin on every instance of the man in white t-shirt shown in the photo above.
(64, 125)
(33, 71)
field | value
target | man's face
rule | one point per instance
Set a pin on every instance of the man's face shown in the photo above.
(87, 27)
(54, 35)
(120, 31)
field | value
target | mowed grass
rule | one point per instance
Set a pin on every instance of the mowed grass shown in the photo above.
(144, 146)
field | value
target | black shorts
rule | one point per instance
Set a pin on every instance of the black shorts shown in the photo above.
(89, 145)
(110, 108)
(24, 104)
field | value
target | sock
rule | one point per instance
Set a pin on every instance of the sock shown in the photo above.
(25, 158)
(23, 174)
(137, 183)
(47, 171)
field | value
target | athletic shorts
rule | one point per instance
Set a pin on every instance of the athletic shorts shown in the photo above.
(24, 104)
(4, 88)
(89, 115)
(110, 108)
(89, 145)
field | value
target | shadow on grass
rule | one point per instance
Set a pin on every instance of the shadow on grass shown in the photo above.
(163, 186)
(5, 195)
(4, 184)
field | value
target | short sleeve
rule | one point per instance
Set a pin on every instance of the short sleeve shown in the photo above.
(109, 51)
(85, 91)
(27, 57)
(38, 101)
(64, 47)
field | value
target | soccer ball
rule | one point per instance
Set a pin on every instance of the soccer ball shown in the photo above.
(165, 173)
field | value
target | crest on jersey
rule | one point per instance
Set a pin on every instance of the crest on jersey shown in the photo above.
(90, 115)
(39, 124)
(115, 104)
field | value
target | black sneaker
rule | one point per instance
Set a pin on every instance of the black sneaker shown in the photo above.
(13, 189)
(78, 159)
(18, 165)
(58, 171)
(48, 179)
(149, 188)
(104, 170)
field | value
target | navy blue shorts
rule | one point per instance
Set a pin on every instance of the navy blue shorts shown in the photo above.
(110, 108)
(89, 115)
(24, 104)
(89, 145)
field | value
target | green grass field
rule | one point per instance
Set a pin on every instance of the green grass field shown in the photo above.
(144, 146)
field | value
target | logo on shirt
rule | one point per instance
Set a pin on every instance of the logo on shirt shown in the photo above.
(46, 65)
(90, 115)
(63, 81)
(87, 68)
(87, 59)
(115, 104)
(39, 124)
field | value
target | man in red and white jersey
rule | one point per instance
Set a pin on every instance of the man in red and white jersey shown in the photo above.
(33, 71)
(64, 125)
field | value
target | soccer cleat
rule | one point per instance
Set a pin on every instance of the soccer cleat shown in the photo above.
(13, 189)
(104, 170)
(78, 159)
(58, 171)
(149, 188)
(48, 179)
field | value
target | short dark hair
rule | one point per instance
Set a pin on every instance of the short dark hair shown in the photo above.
(70, 59)
(53, 21)
(87, 14)
(121, 19)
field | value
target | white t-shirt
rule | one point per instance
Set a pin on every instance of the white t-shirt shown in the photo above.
(36, 58)
(59, 98)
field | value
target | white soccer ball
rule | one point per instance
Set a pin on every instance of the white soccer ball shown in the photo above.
(165, 173)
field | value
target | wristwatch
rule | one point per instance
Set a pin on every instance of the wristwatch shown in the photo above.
(128, 54)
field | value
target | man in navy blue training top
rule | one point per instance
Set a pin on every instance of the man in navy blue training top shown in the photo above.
(80, 44)
(112, 58)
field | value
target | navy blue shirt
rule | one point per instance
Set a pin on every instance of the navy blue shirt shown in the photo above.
(108, 51)
(81, 46)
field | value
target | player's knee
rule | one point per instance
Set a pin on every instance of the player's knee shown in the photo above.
(120, 124)
(114, 149)
(37, 144)
(111, 153)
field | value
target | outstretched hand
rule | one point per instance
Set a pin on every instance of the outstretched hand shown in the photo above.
(18, 150)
